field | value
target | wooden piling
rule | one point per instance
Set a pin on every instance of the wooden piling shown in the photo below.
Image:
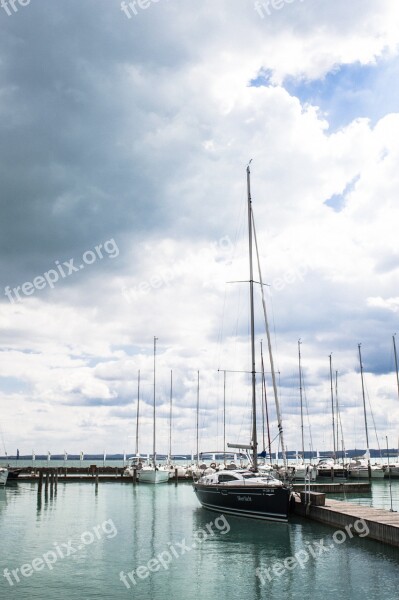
(176, 475)
(47, 482)
(39, 489)
(134, 475)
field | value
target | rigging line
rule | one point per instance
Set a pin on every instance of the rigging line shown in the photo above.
(241, 218)
(274, 326)
(339, 419)
(372, 416)
(342, 432)
(263, 399)
(307, 410)
(276, 398)
(221, 328)
(266, 405)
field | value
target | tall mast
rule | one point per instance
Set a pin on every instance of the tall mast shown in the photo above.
(154, 457)
(337, 410)
(197, 416)
(332, 407)
(138, 414)
(170, 417)
(396, 361)
(364, 410)
(224, 417)
(301, 399)
(251, 293)
(269, 345)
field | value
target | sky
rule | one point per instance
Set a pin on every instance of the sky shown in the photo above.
(126, 130)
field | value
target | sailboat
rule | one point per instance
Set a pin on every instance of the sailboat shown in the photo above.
(302, 471)
(393, 468)
(150, 472)
(3, 475)
(360, 468)
(246, 492)
(330, 467)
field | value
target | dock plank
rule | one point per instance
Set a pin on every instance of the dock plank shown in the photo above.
(383, 525)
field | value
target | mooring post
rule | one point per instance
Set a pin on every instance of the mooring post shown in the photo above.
(47, 482)
(176, 476)
(134, 475)
(39, 489)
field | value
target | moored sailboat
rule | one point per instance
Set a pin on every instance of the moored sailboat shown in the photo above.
(359, 468)
(3, 475)
(151, 472)
(246, 492)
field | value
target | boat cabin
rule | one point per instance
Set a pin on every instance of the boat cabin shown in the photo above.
(239, 477)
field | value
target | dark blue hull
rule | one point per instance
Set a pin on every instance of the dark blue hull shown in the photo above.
(255, 502)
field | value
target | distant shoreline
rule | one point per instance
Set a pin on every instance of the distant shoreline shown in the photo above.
(291, 455)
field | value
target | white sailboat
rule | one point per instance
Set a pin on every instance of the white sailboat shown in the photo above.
(3, 475)
(302, 471)
(150, 472)
(329, 467)
(393, 467)
(358, 468)
(361, 468)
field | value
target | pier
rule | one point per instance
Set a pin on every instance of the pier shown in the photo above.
(113, 474)
(383, 524)
(360, 487)
(92, 474)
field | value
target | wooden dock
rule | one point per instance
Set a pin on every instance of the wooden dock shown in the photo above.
(91, 474)
(383, 525)
(114, 474)
(359, 487)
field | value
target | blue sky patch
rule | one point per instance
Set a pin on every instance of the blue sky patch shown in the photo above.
(351, 91)
(13, 385)
(263, 79)
(347, 92)
(337, 201)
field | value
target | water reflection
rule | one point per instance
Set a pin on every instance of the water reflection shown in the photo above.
(250, 548)
(3, 499)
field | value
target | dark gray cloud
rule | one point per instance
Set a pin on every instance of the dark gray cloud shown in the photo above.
(72, 165)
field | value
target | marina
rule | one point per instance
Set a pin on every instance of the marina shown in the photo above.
(313, 501)
(199, 372)
(137, 524)
(95, 473)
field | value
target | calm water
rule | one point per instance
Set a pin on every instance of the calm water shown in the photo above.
(380, 496)
(123, 527)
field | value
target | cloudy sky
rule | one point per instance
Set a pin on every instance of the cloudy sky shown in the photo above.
(126, 130)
